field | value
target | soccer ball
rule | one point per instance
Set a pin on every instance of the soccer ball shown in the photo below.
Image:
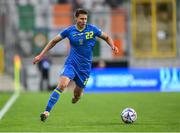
(128, 115)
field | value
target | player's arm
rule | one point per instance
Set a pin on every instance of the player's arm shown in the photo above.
(50, 45)
(109, 41)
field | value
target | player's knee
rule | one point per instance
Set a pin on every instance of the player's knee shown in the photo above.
(62, 86)
(63, 82)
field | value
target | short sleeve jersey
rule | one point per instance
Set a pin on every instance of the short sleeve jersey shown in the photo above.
(82, 43)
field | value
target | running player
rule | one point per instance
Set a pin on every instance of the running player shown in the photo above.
(82, 37)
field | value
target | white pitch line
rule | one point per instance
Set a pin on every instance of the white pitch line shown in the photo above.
(9, 104)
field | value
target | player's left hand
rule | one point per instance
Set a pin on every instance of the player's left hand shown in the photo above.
(37, 59)
(115, 50)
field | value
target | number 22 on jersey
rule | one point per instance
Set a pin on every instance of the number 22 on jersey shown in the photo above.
(89, 35)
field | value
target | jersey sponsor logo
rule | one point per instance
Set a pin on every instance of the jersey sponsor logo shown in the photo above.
(74, 35)
(79, 34)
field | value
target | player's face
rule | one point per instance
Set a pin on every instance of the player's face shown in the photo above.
(81, 20)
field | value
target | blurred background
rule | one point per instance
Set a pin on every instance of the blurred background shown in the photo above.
(147, 33)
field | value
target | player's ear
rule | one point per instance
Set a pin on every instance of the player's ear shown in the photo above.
(75, 18)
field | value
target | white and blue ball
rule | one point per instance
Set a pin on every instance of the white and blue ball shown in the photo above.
(128, 115)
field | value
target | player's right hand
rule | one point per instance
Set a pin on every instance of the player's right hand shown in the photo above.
(37, 59)
(115, 50)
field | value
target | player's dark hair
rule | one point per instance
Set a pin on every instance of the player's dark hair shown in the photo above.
(80, 11)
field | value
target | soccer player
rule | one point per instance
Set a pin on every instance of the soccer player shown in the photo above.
(82, 37)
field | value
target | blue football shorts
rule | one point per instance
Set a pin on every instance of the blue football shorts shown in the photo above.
(80, 78)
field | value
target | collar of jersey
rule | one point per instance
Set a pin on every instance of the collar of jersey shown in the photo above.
(79, 29)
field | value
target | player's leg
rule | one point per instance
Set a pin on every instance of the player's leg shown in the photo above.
(78, 91)
(63, 82)
(81, 81)
(66, 75)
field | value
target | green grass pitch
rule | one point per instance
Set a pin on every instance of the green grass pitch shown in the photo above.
(95, 112)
